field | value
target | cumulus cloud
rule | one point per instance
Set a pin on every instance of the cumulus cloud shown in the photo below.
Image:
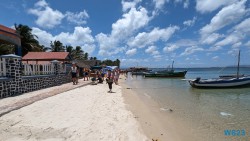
(191, 50)
(44, 37)
(143, 39)
(46, 16)
(159, 3)
(190, 22)
(152, 50)
(122, 29)
(77, 18)
(80, 37)
(131, 52)
(49, 18)
(126, 5)
(204, 6)
(224, 17)
(170, 48)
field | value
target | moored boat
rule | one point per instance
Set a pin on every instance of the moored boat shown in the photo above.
(166, 74)
(226, 81)
(220, 82)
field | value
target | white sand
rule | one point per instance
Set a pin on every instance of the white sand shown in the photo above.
(84, 114)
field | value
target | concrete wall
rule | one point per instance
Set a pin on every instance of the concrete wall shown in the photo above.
(14, 83)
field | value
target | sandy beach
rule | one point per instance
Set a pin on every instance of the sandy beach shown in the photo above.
(86, 113)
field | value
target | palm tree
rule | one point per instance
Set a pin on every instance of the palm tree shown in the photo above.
(86, 56)
(28, 40)
(78, 53)
(57, 46)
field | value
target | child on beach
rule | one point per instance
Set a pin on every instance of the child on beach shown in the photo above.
(109, 80)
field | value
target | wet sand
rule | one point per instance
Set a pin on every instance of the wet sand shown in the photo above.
(156, 123)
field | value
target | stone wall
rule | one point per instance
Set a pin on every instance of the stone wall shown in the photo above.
(15, 84)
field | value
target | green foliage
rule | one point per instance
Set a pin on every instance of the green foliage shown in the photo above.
(6, 49)
(111, 63)
(29, 41)
(57, 46)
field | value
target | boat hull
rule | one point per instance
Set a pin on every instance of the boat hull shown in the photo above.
(166, 75)
(221, 83)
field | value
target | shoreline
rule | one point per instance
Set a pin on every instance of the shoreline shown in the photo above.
(156, 123)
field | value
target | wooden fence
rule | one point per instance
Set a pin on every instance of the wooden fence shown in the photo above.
(2, 67)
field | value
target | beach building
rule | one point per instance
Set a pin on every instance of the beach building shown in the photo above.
(46, 57)
(10, 36)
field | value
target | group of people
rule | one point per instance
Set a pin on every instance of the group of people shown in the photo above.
(112, 76)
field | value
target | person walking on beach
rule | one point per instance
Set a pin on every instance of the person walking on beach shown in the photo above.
(73, 72)
(110, 78)
(85, 74)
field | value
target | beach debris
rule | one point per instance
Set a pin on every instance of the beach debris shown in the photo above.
(225, 114)
(167, 109)
(129, 88)
(155, 140)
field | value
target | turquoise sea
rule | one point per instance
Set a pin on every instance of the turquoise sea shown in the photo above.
(208, 113)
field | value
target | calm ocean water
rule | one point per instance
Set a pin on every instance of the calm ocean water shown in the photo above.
(207, 112)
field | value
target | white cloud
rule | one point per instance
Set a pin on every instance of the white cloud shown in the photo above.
(204, 6)
(170, 48)
(159, 3)
(239, 32)
(211, 38)
(126, 5)
(186, 4)
(157, 57)
(77, 18)
(224, 17)
(244, 26)
(214, 48)
(247, 44)
(122, 29)
(230, 39)
(152, 50)
(191, 50)
(143, 39)
(131, 52)
(44, 37)
(80, 37)
(180, 43)
(236, 45)
(46, 16)
(215, 58)
(190, 22)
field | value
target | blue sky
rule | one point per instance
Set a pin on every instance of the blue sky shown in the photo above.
(194, 33)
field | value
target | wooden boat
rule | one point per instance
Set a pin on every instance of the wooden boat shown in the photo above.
(222, 82)
(166, 73)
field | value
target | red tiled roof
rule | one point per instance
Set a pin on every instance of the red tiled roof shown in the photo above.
(7, 29)
(46, 56)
